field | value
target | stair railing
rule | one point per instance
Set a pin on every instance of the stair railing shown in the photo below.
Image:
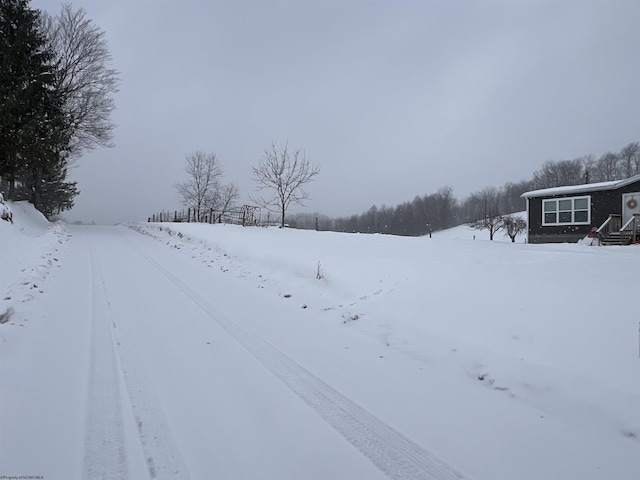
(629, 230)
(611, 224)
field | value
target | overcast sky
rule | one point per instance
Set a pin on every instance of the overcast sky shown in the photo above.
(392, 99)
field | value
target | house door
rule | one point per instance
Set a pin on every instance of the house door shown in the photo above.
(630, 205)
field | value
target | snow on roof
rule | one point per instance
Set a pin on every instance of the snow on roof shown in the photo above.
(589, 187)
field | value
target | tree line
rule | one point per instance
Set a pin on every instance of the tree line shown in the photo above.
(283, 172)
(441, 210)
(56, 98)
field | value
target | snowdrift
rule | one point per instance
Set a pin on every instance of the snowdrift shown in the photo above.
(28, 251)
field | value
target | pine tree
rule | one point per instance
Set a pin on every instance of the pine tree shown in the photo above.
(34, 133)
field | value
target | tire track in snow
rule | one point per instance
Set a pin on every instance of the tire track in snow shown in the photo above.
(395, 455)
(105, 445)
(104, 453)
(161, 454)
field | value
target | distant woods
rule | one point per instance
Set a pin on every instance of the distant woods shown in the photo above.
(440, 210)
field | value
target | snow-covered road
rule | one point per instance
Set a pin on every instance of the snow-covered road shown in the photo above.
(216, 351)
(179, 385)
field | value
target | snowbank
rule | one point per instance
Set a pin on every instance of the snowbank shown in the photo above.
(5, 211)
(28, 251)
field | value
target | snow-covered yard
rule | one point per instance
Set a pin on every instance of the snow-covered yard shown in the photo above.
(216, 351)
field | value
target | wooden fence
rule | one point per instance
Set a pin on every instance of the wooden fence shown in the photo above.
(248, 215)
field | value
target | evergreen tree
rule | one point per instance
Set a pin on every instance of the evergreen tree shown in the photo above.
(34, 133)
(21, 64)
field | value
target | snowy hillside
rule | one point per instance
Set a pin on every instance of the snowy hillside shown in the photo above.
(277, 353)
(464, 232)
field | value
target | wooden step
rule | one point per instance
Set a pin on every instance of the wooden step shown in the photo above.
(617, 238)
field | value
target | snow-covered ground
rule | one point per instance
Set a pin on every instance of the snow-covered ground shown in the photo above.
(216, 351)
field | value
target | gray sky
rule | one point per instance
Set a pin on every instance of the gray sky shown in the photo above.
(391, 98)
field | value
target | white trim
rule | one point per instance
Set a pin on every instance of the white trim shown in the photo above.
(528, 220)
(627, 212)
(573, 211)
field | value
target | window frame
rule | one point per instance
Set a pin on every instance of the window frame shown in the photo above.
(557, 211)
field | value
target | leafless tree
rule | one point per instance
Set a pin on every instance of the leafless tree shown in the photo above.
(588, 163)
(493, 223)
(203, 179)
(491, 219)
(445, 205)
(630, 158)
(607, 167)
(511, 194)
(555, 174)
(283, 174)
(480, 204)
(513, 226)
(226, 198)
(85, 80)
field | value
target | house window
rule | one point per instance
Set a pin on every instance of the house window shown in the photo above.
(566, 211)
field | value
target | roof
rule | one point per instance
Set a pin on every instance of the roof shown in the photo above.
(589, 187)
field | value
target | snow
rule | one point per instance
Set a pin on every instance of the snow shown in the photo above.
(5, 211)
(589, 187)
(215, 351)
(29, 249)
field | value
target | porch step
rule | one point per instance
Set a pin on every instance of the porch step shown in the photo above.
(617, 238)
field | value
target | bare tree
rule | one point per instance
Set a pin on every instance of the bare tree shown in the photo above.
(203, 179)
(555, 174)
(607, 167)
(445, 205)
(513, 226)
(630, 158)
(492, 222)
(284, 174)
(84, 79)
(511, 194)
(588, 163)
(491, 219)
(226, 199)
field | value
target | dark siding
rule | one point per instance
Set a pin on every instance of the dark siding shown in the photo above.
(634, 187)
(603, 204)
(559, 233)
